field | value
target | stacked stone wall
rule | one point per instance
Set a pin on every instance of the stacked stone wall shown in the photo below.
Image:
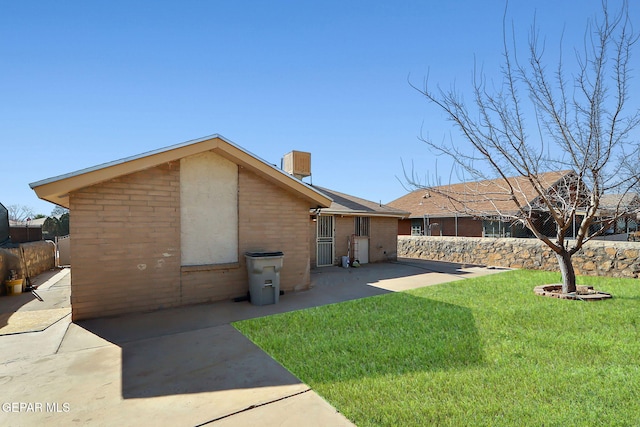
(596, 258)
(27, 260)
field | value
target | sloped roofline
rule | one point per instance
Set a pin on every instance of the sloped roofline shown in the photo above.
(56, 189)
(411, 201)
(363, 213)
(348, 205)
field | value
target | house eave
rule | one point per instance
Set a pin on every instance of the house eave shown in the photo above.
(56, 189)
(364, 213)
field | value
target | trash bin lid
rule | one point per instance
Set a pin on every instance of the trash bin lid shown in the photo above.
(263, 254)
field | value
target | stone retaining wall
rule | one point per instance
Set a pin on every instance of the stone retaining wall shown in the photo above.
(596, 258)
(27, 259)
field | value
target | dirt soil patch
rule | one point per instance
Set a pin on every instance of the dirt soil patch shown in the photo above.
(584, 293)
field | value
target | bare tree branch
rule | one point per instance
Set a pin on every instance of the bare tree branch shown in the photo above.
(19, 212)
(582, 126)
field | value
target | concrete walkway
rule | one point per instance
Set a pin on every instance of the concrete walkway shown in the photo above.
(34, 312)
(181, 367)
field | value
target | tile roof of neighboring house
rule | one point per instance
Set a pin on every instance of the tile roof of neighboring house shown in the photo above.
(345, 204)
(56, 190)
(624, 202)
(474, 198)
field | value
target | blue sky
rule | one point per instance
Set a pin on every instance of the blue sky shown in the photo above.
(88, 82)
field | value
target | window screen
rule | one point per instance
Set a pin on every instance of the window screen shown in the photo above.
(362, 226)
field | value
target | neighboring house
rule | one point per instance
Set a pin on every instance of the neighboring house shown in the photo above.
(354, 228)
(626, 206)
(351, 228)
(171, 227)
(472, 210)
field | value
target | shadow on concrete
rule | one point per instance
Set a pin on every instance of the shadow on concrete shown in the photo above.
(439, 266)
(35, 311)
(194, 349)
(204, 360)
(26, 300)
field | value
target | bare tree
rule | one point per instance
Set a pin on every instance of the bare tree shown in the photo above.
(579, 124)
(19, 212)
(59, 211)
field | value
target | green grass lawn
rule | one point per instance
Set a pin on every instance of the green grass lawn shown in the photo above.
(477, 352)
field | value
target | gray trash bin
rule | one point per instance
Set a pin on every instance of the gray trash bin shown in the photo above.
(264, 276)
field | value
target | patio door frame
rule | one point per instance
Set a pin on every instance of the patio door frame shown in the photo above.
(325, 240)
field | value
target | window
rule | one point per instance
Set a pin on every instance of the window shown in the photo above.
(416, 227)
(495, 229)
(361, 226)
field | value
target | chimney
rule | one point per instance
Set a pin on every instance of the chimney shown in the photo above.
(297, 163)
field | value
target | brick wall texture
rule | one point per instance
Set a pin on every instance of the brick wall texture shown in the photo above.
(382, 240)
(383, 243)
(596, 258)
(125, 243)
(469, 227)
(344, 229)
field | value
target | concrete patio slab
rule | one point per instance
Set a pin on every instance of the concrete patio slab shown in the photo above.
(187, 379)
(316, 408)
(32, 346)
(33, 312)
(186, 366)
(30, 321)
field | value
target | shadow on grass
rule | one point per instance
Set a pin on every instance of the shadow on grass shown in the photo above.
(624, 297)
(193, 349)
(390, 334)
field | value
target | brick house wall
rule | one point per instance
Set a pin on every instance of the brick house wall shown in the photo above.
(270, 219)
(467, 227)
(383, 242)
(404, 227)
(126, 243)
(344, 229)
(382, 239)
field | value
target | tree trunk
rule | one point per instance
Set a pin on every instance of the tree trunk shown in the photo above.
(568, 273)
